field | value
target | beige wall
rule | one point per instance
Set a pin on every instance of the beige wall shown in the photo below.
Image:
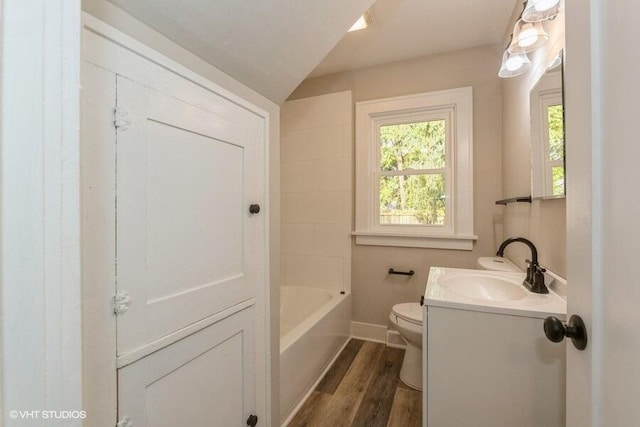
(374, 292)
(543, 221)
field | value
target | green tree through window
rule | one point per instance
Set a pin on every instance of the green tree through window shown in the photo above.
(556, 147)
(412, 161)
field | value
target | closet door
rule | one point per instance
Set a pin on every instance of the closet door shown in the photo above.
(204, 380)
(189, 253)
(187, 245)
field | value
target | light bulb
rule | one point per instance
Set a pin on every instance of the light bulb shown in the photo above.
(514, 62)
(543, 5)
(528, 36)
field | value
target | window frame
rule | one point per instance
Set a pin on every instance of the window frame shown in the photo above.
(549, 99)
(445, 114)
(457, 106)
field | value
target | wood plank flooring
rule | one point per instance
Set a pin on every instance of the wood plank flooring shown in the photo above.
(362, 388)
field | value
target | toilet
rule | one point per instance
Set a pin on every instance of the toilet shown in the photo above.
(407, 320)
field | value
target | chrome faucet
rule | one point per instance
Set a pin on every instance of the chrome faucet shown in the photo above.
(534, 281)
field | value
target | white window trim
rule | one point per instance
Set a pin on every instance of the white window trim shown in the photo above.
(547, 92)
(458, 233)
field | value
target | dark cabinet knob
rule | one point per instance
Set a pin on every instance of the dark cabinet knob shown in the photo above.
(254, 209)
(555, 331)
(252, 420)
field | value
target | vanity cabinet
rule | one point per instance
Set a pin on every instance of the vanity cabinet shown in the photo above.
(486, 369)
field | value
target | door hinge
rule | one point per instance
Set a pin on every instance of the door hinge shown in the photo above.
(121, 302)
(125, 422)
(122, 118)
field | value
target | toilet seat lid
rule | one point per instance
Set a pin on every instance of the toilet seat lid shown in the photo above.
(409, 311)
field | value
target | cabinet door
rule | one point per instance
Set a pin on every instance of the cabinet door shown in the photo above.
(492, 370)
(187, 245)
(203, 380)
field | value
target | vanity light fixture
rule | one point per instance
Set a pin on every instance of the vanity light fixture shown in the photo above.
(540, 10)
(527, 36)
(363, 22)
(514, 64)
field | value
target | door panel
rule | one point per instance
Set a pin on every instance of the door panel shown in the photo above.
(203, 380)
(184, 226)
(187, 247)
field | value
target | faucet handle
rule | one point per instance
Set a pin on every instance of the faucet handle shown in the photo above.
(537, 280)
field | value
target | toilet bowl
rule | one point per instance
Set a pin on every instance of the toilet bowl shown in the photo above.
(407, 320)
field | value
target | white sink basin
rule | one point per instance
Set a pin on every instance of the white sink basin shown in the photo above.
(483, 286)
(489, 291)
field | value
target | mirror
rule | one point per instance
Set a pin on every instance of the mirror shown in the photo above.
(547, 133)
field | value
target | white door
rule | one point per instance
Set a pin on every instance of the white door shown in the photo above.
(204, 380)
(189, 253)
(187, 246)
(603, 207)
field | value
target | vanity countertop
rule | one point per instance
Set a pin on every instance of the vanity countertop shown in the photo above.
(491, 292)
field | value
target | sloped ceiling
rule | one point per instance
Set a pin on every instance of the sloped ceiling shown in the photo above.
(407, 29)
(269, 45)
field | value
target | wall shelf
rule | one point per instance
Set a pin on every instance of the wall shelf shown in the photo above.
(525, 199)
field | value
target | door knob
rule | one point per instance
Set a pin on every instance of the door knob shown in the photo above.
(252, 421)
(254, 209)
(555, 331)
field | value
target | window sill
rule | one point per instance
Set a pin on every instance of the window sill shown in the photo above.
(446, 241)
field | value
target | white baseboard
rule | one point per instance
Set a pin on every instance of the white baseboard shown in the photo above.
(395, 340)
(369, 332)
(377, 333)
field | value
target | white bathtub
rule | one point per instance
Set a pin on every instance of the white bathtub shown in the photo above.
(314, 325)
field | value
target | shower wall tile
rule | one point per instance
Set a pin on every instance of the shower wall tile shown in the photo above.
(329, 207)
(331, 175)
(314, 271)
(299, 208)
(328, 143)
(297, 239)
(316, 185)
(297, 176)
(332, 240)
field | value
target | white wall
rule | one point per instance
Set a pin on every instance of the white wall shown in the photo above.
(316, 174)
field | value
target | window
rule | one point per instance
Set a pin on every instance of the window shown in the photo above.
(547, 137)
(414, 171)
(553, 144)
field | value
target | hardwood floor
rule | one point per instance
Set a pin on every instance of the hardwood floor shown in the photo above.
(362, 388)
